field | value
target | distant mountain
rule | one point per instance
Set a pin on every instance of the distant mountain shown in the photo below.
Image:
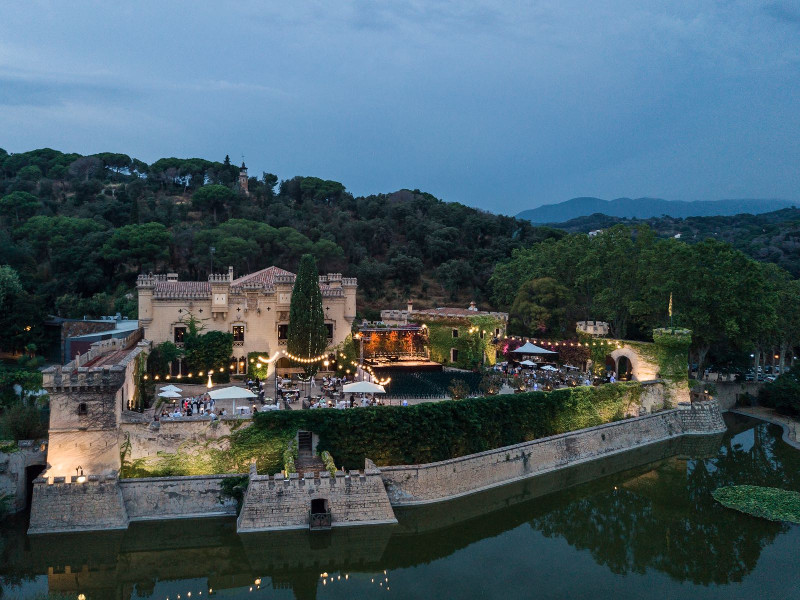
(645, 208)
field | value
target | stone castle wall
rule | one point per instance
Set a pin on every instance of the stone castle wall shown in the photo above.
(176, 497)
(420, 484)
(61, 506)
(146, 441)
(275, 503)
(356, 498)
(13, 472)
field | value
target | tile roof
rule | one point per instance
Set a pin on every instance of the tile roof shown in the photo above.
(265, 277)
(181, 289)
(455, 312)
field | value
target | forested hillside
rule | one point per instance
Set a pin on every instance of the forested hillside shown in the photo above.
(768, 237)
(76, 230)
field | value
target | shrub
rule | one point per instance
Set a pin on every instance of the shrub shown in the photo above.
(783, 394)
(235, 487)
(22, 422)
(458, 389)
(327, 460)
(289, 457)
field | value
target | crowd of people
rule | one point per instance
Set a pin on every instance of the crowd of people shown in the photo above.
(194, 406)
(550, 377)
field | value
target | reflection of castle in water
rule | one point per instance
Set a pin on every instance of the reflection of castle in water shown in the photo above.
(645, 509)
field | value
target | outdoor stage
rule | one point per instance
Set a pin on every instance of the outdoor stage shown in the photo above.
(403, 364)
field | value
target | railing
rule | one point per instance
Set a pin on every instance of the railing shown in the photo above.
(319, 521)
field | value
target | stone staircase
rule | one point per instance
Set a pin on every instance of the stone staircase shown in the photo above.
(307, 461)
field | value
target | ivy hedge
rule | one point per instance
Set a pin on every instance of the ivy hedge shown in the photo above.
(396, 435)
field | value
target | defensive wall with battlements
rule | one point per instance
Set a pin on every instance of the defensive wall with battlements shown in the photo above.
(354, 498)
(274, 503)
(435, 482)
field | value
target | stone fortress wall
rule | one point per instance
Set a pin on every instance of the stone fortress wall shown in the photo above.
(357, 498)
(154, 498)
(276, 503)
(434, 482)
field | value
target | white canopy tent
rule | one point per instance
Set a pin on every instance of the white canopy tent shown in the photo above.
(363, 387)
(171, 388)
(529, 348)
(528, 363)
(549, 368)
(231, 393)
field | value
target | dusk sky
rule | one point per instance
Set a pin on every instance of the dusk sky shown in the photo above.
(500, 105)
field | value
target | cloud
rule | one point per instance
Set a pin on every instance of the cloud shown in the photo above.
(497, 104)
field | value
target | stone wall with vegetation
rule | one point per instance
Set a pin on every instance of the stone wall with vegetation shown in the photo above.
(396, 435)
(420, 484)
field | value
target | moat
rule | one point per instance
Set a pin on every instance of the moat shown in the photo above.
(643, 526)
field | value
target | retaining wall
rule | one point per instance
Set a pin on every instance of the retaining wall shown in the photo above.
(156, 498)
(275, 503)
(62, 506)
(148, 439)
(434, 482)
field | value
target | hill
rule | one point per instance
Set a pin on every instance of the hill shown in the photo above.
(644, 208)
(76, 230)
(768, 237)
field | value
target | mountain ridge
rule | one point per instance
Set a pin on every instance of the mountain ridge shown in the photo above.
(645, 208)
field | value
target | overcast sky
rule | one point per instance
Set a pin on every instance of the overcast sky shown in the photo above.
(502, 105)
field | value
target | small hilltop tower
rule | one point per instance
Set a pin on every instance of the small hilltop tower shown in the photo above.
(243, 180)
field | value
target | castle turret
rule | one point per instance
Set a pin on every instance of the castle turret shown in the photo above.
(243, 180)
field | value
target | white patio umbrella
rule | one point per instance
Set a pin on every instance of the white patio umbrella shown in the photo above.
(169, 394)
(171, 388)
(228, 393)
(363, 387)
(549, 368)
(231, 393)
(528, 363)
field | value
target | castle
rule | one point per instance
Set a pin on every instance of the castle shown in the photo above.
(254, 308)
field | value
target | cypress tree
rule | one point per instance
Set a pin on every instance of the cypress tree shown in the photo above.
(307, 336)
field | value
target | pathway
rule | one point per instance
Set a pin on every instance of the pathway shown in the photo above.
(791, 427)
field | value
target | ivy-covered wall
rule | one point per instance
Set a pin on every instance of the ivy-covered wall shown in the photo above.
(255, 368)
(669, 352)
(474, 341)
(395, 435)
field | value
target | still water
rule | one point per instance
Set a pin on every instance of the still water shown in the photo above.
(639, 525)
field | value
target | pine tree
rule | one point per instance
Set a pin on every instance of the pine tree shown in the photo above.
(307, 336)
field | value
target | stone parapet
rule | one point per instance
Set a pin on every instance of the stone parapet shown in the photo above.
(156, 498)
(434, 482)
(86, 503)
(701, 418)
(275, 503)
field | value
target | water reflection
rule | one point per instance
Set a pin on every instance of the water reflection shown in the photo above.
(641, 513)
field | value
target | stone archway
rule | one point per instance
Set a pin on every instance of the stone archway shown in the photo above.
(640, 368)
